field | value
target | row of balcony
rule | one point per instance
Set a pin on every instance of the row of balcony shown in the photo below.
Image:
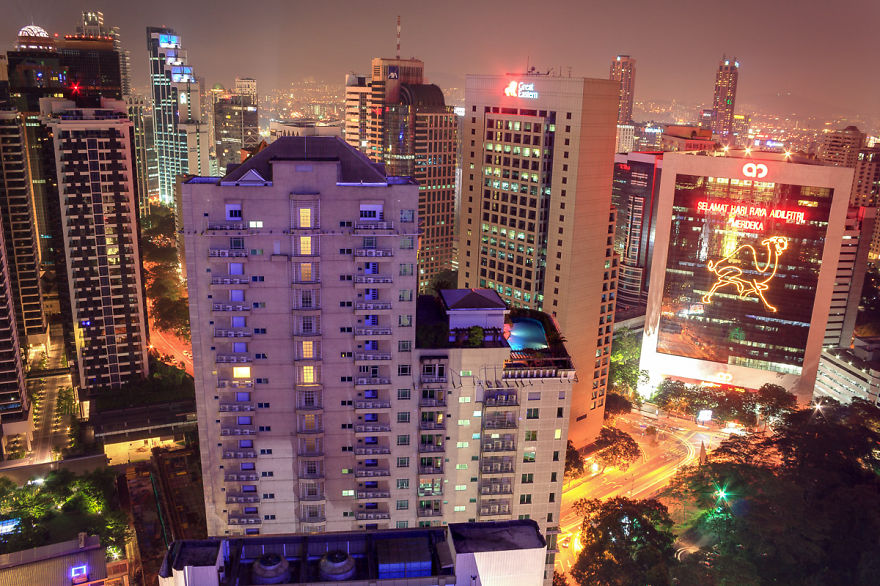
(237, 407)
(232, 333)
(230, 280)
(227, 253)
(371, 472)
(372, 356)
(242, 498)
(230, 307)
(373, 494)
(491, 510)
(372, 516)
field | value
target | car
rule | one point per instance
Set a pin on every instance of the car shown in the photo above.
(187, 353)
(565, 541)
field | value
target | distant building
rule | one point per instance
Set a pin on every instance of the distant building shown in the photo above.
(535, 189)
(141, 115)
(623, 70)
(357, 110)
(303, 127)
(236, 127)
(707, 118)
(741, 125)
(626, 136)
(247, 86)
(180, 136)
(634, 191)
(841, 147)
(461, 554)
(758, 214)
(93, 26)
(648, 137)
(724, 101)
(866, 180)
(686, 138)
(79, 562)
(101, 278)
(846, 374)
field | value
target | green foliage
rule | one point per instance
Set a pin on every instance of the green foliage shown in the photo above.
(616, 448)
(443, 280)
(800, 505)
(559, 579)
(165, 384)
(574, 462)
(624, 375)
(66, 403)
(159, 223)
(476, 335)
(616, 404)
(626, 542)
(172, 315)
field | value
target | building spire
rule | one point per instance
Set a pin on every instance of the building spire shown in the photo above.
(398, 36)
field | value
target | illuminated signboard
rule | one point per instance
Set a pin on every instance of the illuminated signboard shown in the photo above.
(393, 72)
(758, 170)
(742, 268)
(169, 41)
(521, 89)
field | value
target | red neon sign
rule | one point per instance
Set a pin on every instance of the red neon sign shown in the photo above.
(747, 216)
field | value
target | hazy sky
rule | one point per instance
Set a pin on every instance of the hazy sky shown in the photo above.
(824, 52)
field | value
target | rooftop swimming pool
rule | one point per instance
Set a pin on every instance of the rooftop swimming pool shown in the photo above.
(525, 333)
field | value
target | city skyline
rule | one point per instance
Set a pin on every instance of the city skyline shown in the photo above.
(777, 54)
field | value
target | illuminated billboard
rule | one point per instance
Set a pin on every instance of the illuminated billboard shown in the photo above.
(742, 269)
(169, 41)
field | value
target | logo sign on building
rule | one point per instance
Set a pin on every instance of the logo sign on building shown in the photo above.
(521, 89)
(393, 72)
(757, 170)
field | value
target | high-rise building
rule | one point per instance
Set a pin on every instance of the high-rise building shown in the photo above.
(623, 71)
(330, 402)
(746, 250)
(19, 231)
(851, 268)
(740, 129)
(247, 86)
(181, 140)
(536, 218)
(634, 195)
(103, 304)
(93, 26)
(725, 98)
(841, 147)
(236, 127)
(866, 179)
(141, 115)
(626, 138)
(410, 129)
(850, 373)
(15, 414)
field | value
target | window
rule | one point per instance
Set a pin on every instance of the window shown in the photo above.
(404, 321)
(403, 417)
(305, 271)
(305, 217)
(406, 269)
(241, 372)
(403, 483)
(236, 294)
(403, 440)
(461, 444)
(233, 212)
(525, 499)
(307, 349)
(461, 487)
(347, 493)
(402, 524)
(405, 295)
(305, 245)
(407, 216)
(532, 413)
(404, 345)
(555, 456)
(404, 370)
(236, 268)
(403, 394)
(529, 455)
(528, 478)
(406, 243)
(402, 505)
(531, 436)
(403, 462)
(557, 434)
(308, 374)
(255, 224)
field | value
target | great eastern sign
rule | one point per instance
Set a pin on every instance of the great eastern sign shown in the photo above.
(521, 89)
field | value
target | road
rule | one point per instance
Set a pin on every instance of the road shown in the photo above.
(678, 444)
(167, 343)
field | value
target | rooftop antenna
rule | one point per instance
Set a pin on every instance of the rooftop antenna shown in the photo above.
(398, 36)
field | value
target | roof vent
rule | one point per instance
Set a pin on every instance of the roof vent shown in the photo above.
(271, 568)
(336, 566)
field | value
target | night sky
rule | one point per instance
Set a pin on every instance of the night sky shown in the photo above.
(823, 53)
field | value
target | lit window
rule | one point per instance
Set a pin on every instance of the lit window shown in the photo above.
(305, 245)
(308, 349)
(557, 434)
(305, 217)
(308, 374)
(305, 271)
(241, 372)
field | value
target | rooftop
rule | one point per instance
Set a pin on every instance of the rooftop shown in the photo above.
(495, 536)
(52, 564)
(472, 299)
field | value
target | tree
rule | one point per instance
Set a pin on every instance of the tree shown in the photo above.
(616, 448)
(624, 375)
(172, 315)
(625, 542)
(443, 280)
(476, 335)
(574, 462)
(772, 401)
(559, 579)
(616, 404)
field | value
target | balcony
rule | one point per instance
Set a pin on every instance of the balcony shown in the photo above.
(313, 497)
(310, 430)
(372, 380)
(242, 497)
(499, 423)
(372, 472)
(372, 404)
(372, 516)
(227, 253)
(372, 451)
(233, 333)
(230, 307)
(372, 356)
(373, 494)
(429, 491)
(501, 400)
(429, 512)
(429, 425)
(431, 469)
(312, 518)
(497, 467)
(372, 427)
(490, 489)
(244, 519)
(374, 226)
(372, 305)
(428, 448)
(240, 476)
(239, 454)
(314, 306)
(432, 379)
(373, 331)
(238, 430)
(310, 451)
(230, 280)
(373, 252)
(499, 446)
(307, 333)
(232, 359)
(238, 383)
(237, 407)
(311, 405)
(311, 474)
(227, 226)
(373, 279)
(492, 510)
(432, 402)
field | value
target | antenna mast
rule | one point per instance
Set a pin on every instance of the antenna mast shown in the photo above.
(398, 36)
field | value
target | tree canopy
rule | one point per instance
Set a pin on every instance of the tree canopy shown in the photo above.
(624, 375)
(616, 448)
(574, 462)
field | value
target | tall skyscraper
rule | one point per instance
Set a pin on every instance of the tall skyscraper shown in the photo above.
(866, 179)
(410, 129)
(15, 415)
(180, 138)
(724, 101)
(746, 252)
(327, 401)
(841, 147)
(19, 231)
(93, 26)
(623, 71)
(537, 223)
(236, 127)
(97, 218)
(247, 86)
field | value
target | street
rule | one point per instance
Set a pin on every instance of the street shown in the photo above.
(167, 343)
(677, 444)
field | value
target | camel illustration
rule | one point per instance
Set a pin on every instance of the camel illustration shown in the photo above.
(730, 274)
